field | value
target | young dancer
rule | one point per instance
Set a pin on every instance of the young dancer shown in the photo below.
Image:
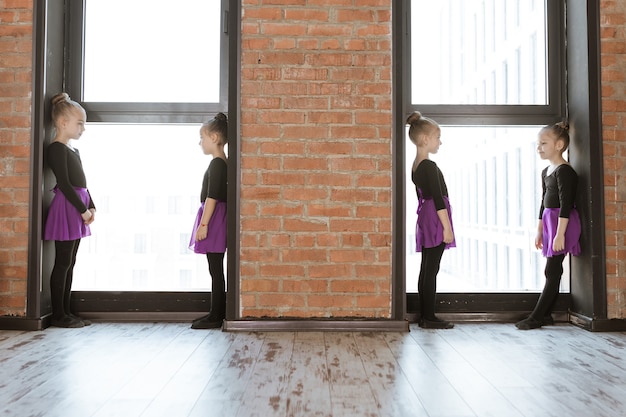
(209, 230)
(71, 211)
(434, 232)
(559, 228)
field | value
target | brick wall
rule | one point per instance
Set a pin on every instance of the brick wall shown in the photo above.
(316, 158)
(15, 120)
(613, 49)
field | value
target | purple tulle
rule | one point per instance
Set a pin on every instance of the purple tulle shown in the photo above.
(215, 242)
(550, 221)
(429, 230)
(64, 222)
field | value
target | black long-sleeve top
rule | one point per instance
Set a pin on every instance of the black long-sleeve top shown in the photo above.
(68, 170)
(559, 189)
(428, 178)
(214, 183)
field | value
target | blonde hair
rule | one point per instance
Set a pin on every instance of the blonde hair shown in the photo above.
(63, 106)
(219, 125)
(420, 125)
(560, 131)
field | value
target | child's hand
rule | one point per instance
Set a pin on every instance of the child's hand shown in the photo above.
(93, 217)
(558, 244)
(202, 232)
(87, 216)
(539, 240)
(448, 236)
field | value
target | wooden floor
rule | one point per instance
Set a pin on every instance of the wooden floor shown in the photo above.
(169, 370)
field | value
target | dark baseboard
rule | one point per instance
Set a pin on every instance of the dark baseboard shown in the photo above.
(597, 325)
(345, 324)
(330, 325)
(489, 317)
(22, 323)
(142, 316)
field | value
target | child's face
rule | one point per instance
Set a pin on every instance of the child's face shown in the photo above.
(207, 142)
(73, 125)
(548, 147)
(433, 141)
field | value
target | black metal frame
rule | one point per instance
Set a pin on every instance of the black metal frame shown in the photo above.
(589, 292)
(234, 164)
(48, 42)
(53, 66)
(579, 101)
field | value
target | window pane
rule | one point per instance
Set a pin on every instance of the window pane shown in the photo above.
(152, 51)
(478, 52)
(493, 176)
(145, 181)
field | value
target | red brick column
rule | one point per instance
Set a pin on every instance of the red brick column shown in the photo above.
(316, 159)
(613, 52)
(16, 17)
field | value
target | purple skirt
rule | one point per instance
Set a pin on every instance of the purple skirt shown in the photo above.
(429, 229)
(64, 222)
(550, 221)
(215, 242)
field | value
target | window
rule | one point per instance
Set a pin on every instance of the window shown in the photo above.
(476, 153)
(146, 86)
(491, 83)
(142, 230)
(165, 59)
(164, 62)
(458, 70)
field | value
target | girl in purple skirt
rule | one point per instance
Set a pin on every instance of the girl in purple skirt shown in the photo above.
(559, 228)
(209, 230)
(434, 231)
(71, 210)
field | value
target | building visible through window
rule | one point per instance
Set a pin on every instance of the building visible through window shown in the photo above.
(486, 62)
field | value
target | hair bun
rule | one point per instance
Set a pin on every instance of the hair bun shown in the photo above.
(562, 125)
(413, 117)
(59, 98)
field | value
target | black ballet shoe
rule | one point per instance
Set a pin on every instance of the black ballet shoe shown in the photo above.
(67, 322)
(436, 323)
(205, 317)
(85, 321)
(213, 315)
(528, 324)
(207, 323)
(548, 320)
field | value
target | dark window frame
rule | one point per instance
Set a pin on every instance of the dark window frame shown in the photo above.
(51, 74)
(579, 102)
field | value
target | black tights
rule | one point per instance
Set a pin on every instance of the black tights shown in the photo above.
(61, 277)
(427, 282)
(547, 299)
(218, 286)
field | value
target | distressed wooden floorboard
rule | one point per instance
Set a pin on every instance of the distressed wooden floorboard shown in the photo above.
(351, 394)
(226, 387)
(168, 369)
(391, 389)
(267, 391)
(308, 390)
